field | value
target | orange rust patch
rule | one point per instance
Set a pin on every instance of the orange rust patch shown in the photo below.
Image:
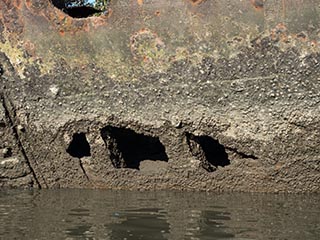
(12, 4)
(19, 4)
(61, 32)
(257, 4)
(157, 13)
(28, 3)
(145, 59)
(285, 38)
(140, 2)
(61, 15)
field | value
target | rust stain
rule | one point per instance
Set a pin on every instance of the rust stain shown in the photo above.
(10, 4)
(13, 12)
(17, 4)
(28, 4)
(61, 32)
(60, 21)
(11, 19)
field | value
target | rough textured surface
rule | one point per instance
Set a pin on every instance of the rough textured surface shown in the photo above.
(194, 95)
(14, 169)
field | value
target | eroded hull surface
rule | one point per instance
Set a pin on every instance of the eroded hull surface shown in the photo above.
(159, 94)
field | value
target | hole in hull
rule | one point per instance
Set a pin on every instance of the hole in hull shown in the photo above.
(79, 146)
(128, 149)
(208, 150)
(81, 8)
(81, 12)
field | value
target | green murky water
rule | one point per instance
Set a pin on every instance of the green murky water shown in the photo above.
(95, 214)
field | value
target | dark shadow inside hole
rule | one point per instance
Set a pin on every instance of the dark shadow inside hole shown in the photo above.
(76, 9)
(81, 12)
(208, 150)
(79, 146)
(128, 149)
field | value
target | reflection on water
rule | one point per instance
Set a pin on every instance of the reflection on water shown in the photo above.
(94, 214)
(141, 224)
